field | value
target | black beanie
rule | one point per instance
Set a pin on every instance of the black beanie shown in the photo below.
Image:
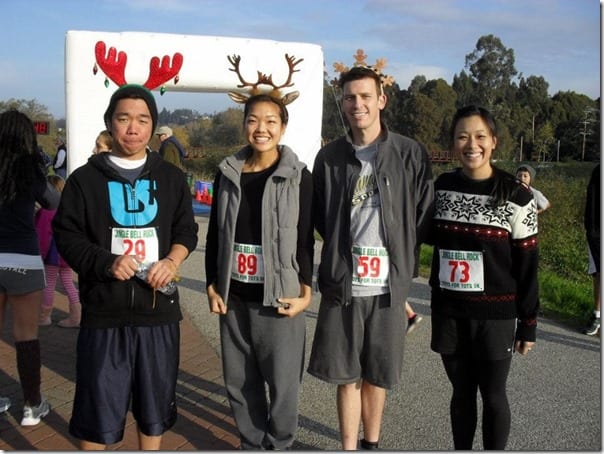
(133, 91)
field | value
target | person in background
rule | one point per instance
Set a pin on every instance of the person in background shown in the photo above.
(413, 318)
(103, 142)
(47, 160)
(55, 267)
(171, 149)
(484, 278)
(22, 185)
(526, 174)
(125, 224)
(59, 163)
(592, 233)
(259, 265)
(372, 197)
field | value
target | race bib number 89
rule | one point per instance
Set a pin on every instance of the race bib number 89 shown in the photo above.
(461, 271)
(248, 263)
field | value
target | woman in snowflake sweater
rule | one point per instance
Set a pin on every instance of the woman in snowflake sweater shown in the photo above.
(484, 278)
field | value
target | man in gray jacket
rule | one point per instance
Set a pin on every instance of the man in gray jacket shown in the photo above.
(373, 193)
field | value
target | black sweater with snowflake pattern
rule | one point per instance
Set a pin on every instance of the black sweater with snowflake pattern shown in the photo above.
(485, 258)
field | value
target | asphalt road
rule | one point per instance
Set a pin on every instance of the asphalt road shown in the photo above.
(554, 392)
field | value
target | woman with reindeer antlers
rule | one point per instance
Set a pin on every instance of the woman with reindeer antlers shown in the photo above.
(259, 259)
(123, 211)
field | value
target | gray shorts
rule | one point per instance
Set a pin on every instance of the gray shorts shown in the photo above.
(18, 281)
(363, 340)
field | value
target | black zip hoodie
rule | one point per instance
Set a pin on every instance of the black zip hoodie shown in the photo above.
(96, 200)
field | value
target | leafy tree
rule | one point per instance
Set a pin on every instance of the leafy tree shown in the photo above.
(445, 99)
(333, 123)
(491, 67)
(506, 145)
(568, 114)
(422, 122)
(530, 111)
(464, 87)
(417, 84)
(391, 113)
(30, 107)
(36, 112)
(227, 128)
(200, 132)
(544, 140)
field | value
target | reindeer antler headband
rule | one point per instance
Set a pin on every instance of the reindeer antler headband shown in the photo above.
(263, 79)
(361, 60)
(113, 65)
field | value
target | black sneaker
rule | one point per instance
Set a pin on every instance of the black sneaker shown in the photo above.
(373, 445)
(593, 328)
(412, 322)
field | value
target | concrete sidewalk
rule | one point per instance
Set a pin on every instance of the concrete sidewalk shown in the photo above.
(204, 420)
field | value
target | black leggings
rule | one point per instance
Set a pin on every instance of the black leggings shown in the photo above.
(467, 375)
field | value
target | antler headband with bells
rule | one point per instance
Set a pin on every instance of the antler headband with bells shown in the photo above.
(113, 65)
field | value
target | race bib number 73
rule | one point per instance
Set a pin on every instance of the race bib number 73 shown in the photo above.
(461, 271)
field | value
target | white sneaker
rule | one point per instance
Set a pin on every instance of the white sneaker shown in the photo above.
(33, 415)
(4, 404)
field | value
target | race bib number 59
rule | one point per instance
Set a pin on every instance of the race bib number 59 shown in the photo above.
(462, 271)
(371, 266)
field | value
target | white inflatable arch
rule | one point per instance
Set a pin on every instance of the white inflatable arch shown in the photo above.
(195, 64)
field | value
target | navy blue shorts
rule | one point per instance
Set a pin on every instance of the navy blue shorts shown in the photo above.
(490, 340)
(119, 366)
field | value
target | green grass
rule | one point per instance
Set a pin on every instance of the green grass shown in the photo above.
(561, 299)
(565, 288)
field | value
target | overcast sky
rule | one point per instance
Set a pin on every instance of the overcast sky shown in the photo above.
(556, 39)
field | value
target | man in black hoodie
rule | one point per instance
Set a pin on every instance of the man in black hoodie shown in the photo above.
(121, 213)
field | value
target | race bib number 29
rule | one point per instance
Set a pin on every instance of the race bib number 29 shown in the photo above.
(141, 242)
(462, 271)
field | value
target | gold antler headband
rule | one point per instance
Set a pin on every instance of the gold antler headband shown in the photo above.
(361, 60)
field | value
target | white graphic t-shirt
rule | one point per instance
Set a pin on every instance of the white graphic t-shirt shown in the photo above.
(370, 257)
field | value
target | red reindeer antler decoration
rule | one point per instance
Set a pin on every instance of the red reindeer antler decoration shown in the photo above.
(115, 67)
(158, 74)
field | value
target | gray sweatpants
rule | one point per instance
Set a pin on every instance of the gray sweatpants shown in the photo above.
(262, 350)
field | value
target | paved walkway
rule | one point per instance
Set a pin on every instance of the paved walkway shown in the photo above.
(204, 420)
(555, 393)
